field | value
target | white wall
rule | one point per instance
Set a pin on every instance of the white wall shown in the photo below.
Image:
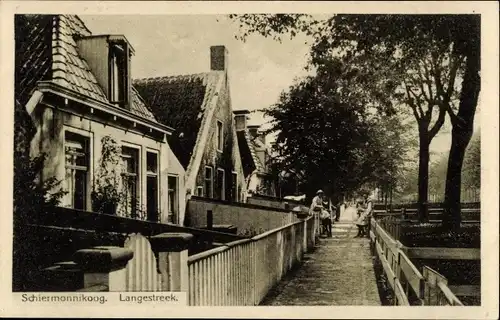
(51, 126)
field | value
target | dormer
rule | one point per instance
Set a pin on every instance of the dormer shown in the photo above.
(109, 57)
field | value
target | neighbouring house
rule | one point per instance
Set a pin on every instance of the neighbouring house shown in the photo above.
(255, 156)
(205, 142)
(101, 139)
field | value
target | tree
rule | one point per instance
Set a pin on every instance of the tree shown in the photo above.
(325, 131)
(428, 51)
(471, 171)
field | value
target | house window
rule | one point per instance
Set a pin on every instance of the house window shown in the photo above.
(221, 188)
(118, 74)
(234, 186)
(77, 169)
(220, 136)
(199, 191)
(130, 181)
(209, 181)
(173, 196)
(152, 186)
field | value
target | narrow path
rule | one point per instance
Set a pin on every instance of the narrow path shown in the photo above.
(338, 272)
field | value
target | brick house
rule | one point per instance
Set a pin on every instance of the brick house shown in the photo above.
(205, 142)
(255, 156)
(77, 89)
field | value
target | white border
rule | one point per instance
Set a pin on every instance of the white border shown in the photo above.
(489, 155)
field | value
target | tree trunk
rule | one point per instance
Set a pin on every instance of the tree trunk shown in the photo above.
(452, 211)
(423, 176)
(461, 135)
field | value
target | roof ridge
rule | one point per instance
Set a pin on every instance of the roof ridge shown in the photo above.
(180, 76)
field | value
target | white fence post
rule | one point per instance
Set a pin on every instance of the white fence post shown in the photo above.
(172, 251)
(104, 266)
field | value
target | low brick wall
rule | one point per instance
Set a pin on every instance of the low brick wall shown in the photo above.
(249, 219)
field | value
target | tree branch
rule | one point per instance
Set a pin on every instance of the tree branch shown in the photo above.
(439, 123)
(410, 103)
(415, 101)
(428, 80)
(421, 85)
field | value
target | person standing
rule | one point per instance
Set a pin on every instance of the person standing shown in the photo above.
(364, 218)
(316, 207)
(368, 214)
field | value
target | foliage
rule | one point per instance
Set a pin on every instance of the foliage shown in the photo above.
(274, 25)
(416, 63)
(329, 136)
(471, 171)
(31, 196)
(106, 194)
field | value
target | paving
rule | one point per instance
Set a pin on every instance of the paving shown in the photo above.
(339, 272)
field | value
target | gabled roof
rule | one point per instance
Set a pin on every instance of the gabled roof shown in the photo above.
(46, 49)
(182, 102)
(248, 148)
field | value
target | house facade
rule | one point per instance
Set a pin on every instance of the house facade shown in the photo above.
(255, 157)
(101, 139)
(205, 141)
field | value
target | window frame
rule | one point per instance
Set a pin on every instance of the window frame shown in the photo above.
(119, 52)
(175, 213)
(199, 191)
(221, 190)
(219, 135)
(88, 145)
(211, 195)
(139, 175)
(156, 174)
(234, 188)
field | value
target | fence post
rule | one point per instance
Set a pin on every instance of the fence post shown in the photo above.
(104, 266)
(172, 251)
(210, 220)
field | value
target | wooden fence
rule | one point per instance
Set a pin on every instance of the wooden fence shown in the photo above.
(250, 267)
(471, 212)
(51, 238)
(412, 287)
(238, 273)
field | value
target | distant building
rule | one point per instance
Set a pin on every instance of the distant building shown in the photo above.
(199, 107)
(255, 156)
(77, 89)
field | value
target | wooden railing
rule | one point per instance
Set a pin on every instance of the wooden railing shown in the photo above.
(241, 273)
(471, 212)
(410, 286)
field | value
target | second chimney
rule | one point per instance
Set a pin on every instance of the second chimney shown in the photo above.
(218, 58)
(240, 119)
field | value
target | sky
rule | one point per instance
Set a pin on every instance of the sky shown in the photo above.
(259, 69)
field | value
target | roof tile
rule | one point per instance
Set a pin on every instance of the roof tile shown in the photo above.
(181, 102)
(46, 50)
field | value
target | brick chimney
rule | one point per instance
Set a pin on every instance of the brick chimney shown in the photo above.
(218, 58)
(240, 119)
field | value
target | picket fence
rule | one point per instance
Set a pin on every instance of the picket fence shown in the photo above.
(238, 273)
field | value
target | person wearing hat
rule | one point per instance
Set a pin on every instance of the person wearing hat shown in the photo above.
(317, 202)
(317, 208)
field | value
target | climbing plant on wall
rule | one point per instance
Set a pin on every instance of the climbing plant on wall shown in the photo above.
(106, 193)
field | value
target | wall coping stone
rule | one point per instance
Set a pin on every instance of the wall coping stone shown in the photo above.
(103, 258)
(171, 241)
(238, 204)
